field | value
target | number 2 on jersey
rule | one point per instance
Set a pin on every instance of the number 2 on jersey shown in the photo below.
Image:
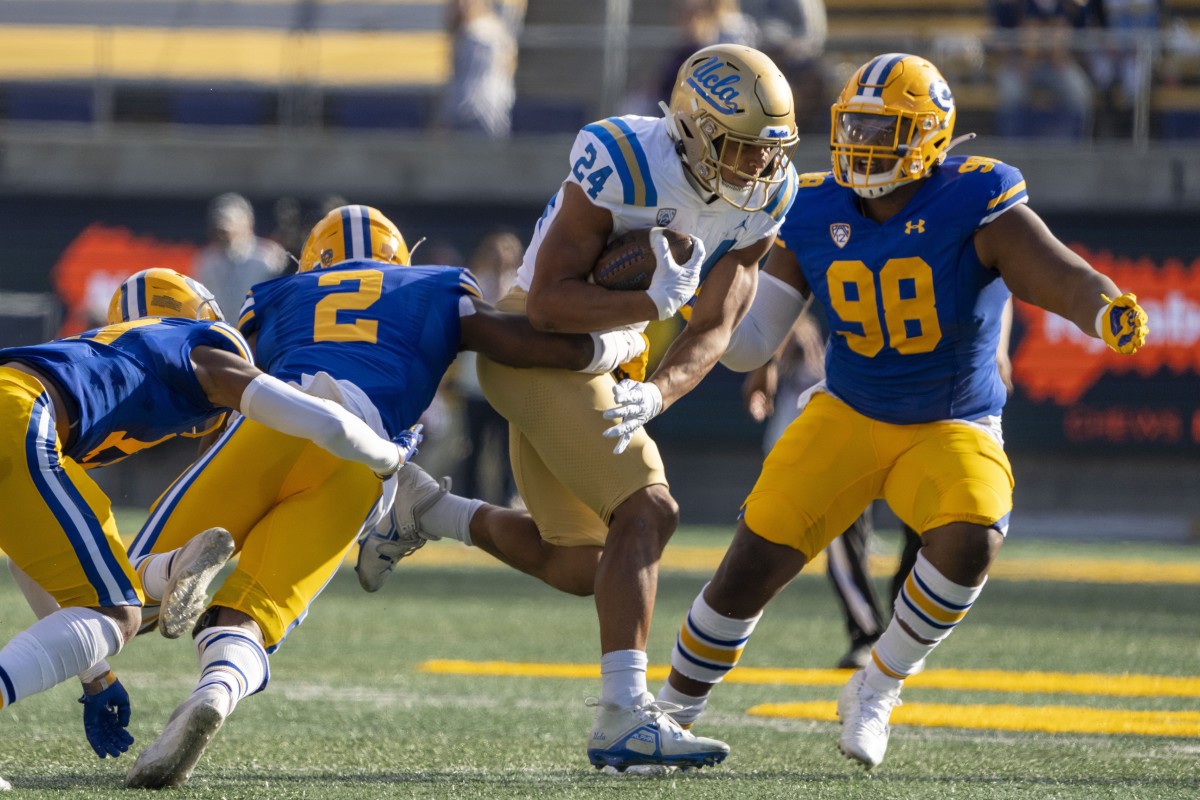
(327, 328)
(909, 307)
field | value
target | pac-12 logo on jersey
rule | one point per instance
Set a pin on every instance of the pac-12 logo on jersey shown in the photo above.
(840, 233)
(665, 215)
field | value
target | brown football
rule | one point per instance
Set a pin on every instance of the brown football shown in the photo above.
(628, 262)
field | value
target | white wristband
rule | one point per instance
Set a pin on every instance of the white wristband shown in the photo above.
(1100, 315)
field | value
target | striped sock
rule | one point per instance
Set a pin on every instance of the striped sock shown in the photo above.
(230, 657)
(931, 606)
(709, 644)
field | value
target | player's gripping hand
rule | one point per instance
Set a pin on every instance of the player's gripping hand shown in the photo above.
(637, 404)
(406, 447)
(673, 284)
(106, 716)
(1123, 324)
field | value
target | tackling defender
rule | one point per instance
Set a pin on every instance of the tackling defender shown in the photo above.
(169, 367)
(717, 165)
(913, 256)
(358, 326)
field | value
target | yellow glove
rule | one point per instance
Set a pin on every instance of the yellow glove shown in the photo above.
(635, 368)
(1122, 324)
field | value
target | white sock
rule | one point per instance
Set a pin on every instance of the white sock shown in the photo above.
(931, 606)
(153, 570)
(450, 517)
(691, 707)
(623, 677)
(68, 642)
(231, 659)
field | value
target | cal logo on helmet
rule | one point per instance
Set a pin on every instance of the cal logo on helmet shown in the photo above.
(161, 292)
(353, 232)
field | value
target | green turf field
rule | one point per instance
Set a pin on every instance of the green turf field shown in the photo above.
(354, 710)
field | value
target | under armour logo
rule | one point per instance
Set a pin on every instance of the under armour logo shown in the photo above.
(918, 226)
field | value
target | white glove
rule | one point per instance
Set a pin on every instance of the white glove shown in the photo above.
(637, 404)
(673, 284)
(613, 348)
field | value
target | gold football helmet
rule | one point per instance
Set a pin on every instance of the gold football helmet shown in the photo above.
(349, 232)
(734, 124)
(892, 123)
(162, 292)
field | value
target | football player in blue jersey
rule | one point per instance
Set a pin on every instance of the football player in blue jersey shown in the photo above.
(358, 326)
(913, 256)
(168, 367)
(717, 165)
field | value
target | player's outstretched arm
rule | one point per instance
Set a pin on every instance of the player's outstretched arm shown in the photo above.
(1041, 270)
(510, 339)
(232, 382)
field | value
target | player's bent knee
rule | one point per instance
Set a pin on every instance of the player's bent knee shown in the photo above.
(962, 549)
(652, 508)
(128, 619)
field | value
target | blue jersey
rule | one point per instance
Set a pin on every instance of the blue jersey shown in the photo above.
(392, 331)
(914, 316)
(130, 386)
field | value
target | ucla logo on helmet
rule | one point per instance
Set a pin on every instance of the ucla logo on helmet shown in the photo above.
(713, 87)
(665, 215)
(840, 233)
(939, 93)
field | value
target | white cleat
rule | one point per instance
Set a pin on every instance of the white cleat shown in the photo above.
(645, 734)
(379, 552)
(864, 714)
(5, 786)
(186, 595)
(169, 761)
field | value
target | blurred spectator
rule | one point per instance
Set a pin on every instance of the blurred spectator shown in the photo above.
(1042, 89)
(235, 258)
(700, 24)
(290, 231)
(479, 95)
(1121, 69)
(486, 471)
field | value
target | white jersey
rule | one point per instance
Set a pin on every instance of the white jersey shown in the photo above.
(628, 165)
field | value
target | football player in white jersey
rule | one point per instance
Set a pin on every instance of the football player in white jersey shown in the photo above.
(716, 166)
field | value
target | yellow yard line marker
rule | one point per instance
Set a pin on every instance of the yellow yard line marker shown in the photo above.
(706, 559)
(1049, 719)
(957, 679)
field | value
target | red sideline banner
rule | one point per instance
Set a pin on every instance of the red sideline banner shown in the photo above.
(1151, 398)
(97, 260)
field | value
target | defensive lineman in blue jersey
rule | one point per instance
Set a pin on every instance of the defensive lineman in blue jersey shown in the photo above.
(357, 326)
(90, 400)
(912, 255)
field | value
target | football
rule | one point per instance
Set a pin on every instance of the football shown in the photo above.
(628, 262)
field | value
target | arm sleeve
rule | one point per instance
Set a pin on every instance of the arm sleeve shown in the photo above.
(277, 405)
(772, 314)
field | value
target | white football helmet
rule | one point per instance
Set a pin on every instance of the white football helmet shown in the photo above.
(734, 124)
(892, 124)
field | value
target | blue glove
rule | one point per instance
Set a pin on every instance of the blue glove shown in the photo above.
(105, 719)
(408, 441)
(406, 447)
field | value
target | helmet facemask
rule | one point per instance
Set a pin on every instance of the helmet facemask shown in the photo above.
(733, 123)
(894, 133)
